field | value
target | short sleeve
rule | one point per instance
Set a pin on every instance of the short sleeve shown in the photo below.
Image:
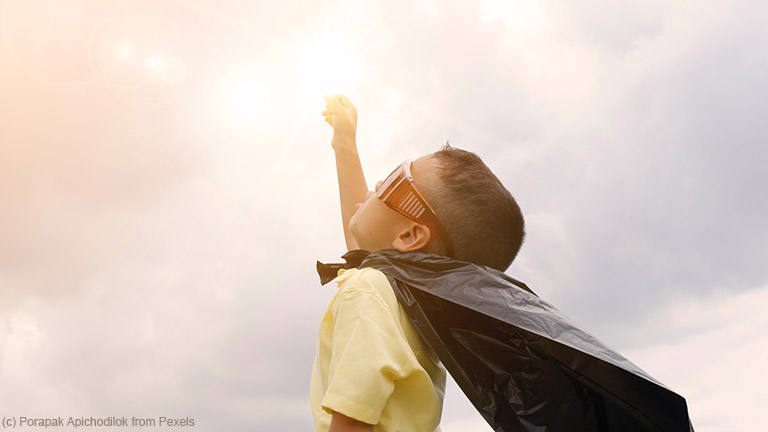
(369, 354)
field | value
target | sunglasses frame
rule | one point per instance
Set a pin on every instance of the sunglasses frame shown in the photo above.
(400, 193)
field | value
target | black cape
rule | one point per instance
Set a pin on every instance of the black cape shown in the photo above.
(522, 363)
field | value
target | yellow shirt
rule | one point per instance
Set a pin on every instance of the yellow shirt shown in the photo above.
(371, 363)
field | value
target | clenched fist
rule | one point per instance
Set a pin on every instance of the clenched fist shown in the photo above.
(342, 115)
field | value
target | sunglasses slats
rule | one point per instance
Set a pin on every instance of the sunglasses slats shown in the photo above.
(411, 205)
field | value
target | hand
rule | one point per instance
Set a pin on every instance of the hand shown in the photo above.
(342, 115)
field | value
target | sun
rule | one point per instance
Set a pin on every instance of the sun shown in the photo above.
(288, 79)
(247, 97)
(329, 66)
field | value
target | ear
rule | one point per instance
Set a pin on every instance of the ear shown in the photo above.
(413, 237)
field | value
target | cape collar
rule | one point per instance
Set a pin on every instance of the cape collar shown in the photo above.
(328, 272)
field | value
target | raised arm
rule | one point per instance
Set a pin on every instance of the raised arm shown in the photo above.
(342, 115)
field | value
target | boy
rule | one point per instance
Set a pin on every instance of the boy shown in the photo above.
(373, 371)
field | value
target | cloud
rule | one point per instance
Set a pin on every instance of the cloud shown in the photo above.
(154, 258)
(715, 357)
(654, 166)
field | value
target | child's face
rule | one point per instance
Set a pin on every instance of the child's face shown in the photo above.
(374, 225)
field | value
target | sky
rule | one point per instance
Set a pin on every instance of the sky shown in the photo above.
(167, 183)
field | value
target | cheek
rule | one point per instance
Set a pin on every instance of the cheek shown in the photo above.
(370, 220)
(364, 215)
(369, 206)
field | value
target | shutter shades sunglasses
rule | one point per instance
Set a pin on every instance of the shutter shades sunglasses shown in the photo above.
(400, 193)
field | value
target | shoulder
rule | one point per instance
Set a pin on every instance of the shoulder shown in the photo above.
(362, 279)
(366, 279)
(366, 283)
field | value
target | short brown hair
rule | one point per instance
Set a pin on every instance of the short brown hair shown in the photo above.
(482, 218)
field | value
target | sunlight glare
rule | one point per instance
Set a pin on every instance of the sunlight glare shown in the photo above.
(124, 52)
(119, 50)
(153, 63)
(329, 68)
(242, 99)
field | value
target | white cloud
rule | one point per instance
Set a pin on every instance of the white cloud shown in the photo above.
(717, 361)
(152, 256)
(459, 415)
(465, 426)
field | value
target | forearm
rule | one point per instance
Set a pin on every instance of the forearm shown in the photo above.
(352, 186)
(342, 423)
